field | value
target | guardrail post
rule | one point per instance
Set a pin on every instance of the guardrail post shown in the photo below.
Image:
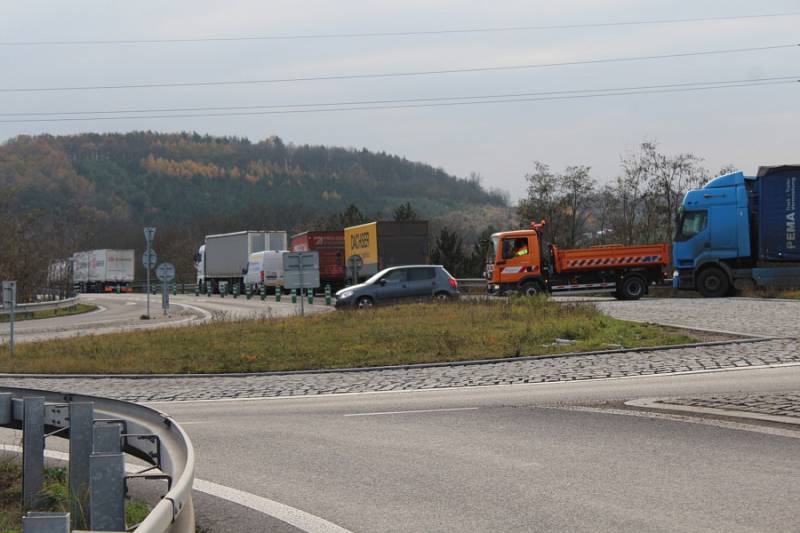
(107, 492)
(32, 451)
(107, 438)
(107, 479)
(6, 408)
(45, 523)
(81, 425)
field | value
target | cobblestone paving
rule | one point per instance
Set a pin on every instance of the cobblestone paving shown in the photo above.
(501, 373)
(784, 404)
(774, 318)
(740, 315)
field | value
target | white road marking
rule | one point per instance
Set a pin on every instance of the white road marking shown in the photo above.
(768, 430)
(415, 411)
(300, 519)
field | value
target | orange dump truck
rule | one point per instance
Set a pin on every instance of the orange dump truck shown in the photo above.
(519, 262)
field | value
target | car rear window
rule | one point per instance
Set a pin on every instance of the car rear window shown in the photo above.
(421, 274)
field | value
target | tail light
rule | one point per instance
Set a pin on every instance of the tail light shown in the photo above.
(453, 283)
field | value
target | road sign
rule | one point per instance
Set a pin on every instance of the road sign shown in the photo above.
(149, 233)
(355, 261)
(149, 259)
(165, 272)
(300, 261)
(309, 279)
(9, 294)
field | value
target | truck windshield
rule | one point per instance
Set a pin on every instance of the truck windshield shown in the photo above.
(493, 250)
(692, 223)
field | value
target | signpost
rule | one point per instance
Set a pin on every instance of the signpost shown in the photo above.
(165, 273)
(10, 303)
(355, 263)
(301, 271)
(149, 260)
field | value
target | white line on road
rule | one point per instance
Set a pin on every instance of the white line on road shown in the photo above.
(415, 411)
(302, 520)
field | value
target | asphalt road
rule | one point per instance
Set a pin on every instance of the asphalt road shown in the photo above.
(520, 458)
(122, 312)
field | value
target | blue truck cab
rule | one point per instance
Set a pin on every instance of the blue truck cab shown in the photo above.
(740, 231)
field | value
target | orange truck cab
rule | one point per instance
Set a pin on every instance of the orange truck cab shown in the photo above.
(520, 263)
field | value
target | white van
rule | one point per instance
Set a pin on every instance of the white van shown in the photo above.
(265, 267)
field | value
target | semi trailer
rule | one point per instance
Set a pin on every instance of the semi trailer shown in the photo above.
(330, 245)
(520, 263)
(739, 232)
(369, 248)
(103, 270)
(224, 257)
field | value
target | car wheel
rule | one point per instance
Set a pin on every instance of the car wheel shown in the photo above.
(441, 296)
(633, 288)
(365, 302)
(713, 283)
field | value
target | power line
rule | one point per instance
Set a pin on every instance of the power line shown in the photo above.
(398, 74)
(402, 33)
(407, 106)
(720, 83)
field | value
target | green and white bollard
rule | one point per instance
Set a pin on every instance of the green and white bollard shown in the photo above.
(236, 289)
(248, 291)
(278, 292)
(310, 296)
(209, 289)
(174, 289)
(294, 296)
(197, 290)
(223, 288)
(327, 295)
(262, 291)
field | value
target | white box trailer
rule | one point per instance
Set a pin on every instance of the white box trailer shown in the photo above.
(225, 257)
(98, 270)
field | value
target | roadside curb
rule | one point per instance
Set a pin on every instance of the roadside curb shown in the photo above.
(664, 405)
(445, 364)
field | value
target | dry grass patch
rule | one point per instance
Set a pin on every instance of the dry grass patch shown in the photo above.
(418, 333)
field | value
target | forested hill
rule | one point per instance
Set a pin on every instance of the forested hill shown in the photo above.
(178, 178)
(59, 194)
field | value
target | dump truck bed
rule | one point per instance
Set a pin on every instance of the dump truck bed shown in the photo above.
(610, 257)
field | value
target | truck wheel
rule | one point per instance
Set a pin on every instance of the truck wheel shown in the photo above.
(713, 283)
(633, 288)
(531, 289)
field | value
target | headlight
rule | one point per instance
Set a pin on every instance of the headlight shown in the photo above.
(344, 295)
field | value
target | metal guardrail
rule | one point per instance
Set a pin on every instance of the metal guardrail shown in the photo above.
(41, 306)
(100, 432)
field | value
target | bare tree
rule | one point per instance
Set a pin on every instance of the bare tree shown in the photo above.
(576, 187)
(544, 201)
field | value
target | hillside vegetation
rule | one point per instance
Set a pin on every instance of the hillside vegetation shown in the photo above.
(59, 194)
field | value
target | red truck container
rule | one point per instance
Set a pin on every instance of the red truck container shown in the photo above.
(330, 245)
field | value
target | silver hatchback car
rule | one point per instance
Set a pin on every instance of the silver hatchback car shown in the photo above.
(399, 284)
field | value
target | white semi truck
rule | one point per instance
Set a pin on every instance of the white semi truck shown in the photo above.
(103, 270)
(225, 257)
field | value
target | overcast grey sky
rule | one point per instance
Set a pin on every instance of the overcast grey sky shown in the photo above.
(745, 127)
